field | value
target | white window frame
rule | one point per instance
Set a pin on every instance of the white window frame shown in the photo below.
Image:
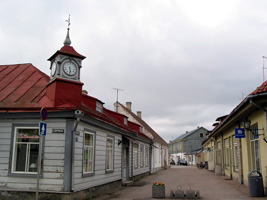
(236, 152)
(227, 153)
(135, 154)
(110, 154)
(255, 151)
(141, 155)
(27, 156)
(88, 149)
(146, 155)
(99, 107)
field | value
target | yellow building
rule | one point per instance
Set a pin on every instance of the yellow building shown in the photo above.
(233, 156)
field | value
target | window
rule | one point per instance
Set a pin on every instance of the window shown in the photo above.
(236, 152)
(227, 156)
(135, 152)
(146, 156)
(110, 155)
(141, 155)
(125, 121)
(141, 129)
(88, 153)
(25, 150)
(99, 107)
(255, 148)
(201, 135)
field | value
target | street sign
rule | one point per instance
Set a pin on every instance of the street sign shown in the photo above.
(43, 114)
(240, 133)
(42, 128)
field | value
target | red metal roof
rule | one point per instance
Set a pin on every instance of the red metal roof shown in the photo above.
(22, 85)
(67, 50)
(24, 88)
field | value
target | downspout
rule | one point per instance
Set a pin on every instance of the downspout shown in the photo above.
(132, 162)
(78, 114)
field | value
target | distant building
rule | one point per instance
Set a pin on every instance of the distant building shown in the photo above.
(187, 145)
(159, 156)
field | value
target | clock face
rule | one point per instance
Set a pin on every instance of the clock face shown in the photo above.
(69, 68)
(53, 69)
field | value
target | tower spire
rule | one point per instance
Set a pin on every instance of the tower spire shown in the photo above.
(67, 41)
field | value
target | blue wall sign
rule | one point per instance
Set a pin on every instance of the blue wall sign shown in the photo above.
(42, 130)
(240, 133)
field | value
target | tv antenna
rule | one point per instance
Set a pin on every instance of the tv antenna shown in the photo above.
(263, 66)
(118, 93)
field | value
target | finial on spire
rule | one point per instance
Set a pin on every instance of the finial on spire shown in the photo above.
(67, 41)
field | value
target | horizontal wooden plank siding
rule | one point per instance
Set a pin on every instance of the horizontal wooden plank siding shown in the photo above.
(53, 163)
(100, 176)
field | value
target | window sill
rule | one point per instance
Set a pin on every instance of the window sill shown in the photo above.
(24, 175)
(109, 171)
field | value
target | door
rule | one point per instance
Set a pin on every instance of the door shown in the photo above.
(125, 161)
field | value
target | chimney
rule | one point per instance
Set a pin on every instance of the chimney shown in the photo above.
(139, 114)
(116, 106)
(129, 105)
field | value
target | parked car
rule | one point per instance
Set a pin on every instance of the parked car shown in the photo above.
(172, 162)
(182, 162)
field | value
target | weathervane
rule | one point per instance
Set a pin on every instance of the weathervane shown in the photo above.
(68, 20)
(67, 41)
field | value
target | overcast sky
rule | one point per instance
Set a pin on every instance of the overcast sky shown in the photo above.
(183, 63)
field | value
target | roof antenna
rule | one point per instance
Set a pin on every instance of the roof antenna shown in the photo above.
(118, 93)
(117, 102)
(263, 67)
(67, 41)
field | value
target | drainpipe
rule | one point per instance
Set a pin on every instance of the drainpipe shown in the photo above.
(78, 115)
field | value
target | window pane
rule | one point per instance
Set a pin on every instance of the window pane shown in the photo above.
(21, 152)
(88, 140)
(33, 158)
(27, 135)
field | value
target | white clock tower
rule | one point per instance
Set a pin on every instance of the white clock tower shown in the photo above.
(66, 63)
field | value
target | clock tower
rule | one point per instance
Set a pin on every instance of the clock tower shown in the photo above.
(66, 63)
(65, 87)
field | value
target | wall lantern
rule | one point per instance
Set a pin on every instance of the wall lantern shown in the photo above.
(119, 142)
(247, 123)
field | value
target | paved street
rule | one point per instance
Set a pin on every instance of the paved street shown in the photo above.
(210, 186)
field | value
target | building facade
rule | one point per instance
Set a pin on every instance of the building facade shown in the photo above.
(159, 149)
(238, 149)
(82, 146)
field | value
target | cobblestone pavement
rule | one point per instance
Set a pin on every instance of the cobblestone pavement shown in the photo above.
(211, 187)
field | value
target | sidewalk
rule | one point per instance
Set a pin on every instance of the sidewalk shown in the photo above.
(211, 187)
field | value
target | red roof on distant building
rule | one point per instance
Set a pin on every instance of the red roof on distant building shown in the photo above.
(261, 89)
